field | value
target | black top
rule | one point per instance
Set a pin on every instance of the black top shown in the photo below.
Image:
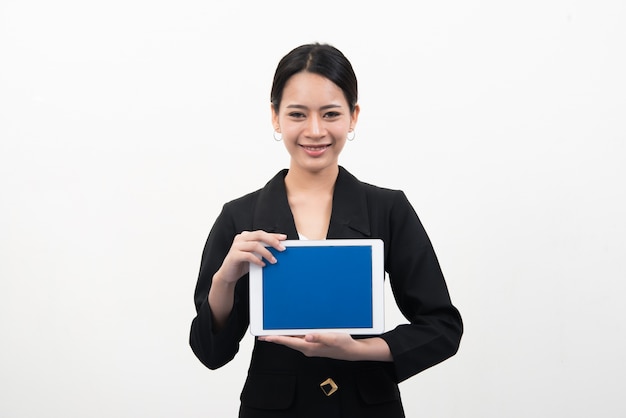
(284, 380)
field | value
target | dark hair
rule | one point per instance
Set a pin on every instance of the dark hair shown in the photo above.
(322, 59)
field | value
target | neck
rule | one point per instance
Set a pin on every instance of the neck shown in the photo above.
(298, 179)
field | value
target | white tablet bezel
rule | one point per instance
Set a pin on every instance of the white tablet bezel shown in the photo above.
(378, 277)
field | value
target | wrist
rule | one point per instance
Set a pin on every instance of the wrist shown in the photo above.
(220, 282)
(221, 290)
(373, 349)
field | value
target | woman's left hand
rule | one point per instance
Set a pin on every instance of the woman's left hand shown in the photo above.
(333, 345)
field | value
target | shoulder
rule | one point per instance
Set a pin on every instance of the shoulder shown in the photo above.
(248, 202)
(382, 192)
(373, 192)
(242, 202)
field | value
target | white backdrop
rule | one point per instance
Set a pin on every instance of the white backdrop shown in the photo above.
(125, 125)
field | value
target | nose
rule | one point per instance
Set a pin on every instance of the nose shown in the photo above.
(315, 127)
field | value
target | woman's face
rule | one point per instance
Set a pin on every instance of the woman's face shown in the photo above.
(314, 119)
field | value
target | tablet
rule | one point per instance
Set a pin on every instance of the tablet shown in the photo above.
(319, 286)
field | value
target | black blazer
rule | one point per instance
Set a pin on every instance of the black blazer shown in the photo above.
(283, 382)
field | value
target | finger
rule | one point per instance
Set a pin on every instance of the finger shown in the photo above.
(281, 339)
(260, 235)
(252, 251)
(327, 339)
(276, 242)
(265, 253)
(320, 339)
(276, 339)
(271, 239)
(262, 247)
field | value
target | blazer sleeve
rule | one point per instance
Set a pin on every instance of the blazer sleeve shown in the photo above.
(216, 348)
(435, 326)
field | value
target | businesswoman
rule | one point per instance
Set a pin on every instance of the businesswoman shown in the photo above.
(314, 111)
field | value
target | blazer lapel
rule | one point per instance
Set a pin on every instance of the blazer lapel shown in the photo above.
(349, 217)
(272, 212)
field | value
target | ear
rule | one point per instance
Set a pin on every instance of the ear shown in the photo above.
(355, 116)
(275, 122)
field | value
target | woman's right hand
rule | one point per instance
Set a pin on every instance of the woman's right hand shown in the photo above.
(246, 248)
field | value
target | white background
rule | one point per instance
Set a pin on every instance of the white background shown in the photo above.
(125, 125)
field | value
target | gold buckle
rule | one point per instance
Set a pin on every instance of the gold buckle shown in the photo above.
(329, 386)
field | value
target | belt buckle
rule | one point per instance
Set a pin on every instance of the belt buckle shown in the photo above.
(329, 386)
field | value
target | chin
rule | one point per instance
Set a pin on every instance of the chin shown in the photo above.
(318, 166)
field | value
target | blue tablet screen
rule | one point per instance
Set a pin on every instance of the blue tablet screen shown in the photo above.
(318, 287)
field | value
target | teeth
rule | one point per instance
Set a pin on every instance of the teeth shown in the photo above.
(315, 148)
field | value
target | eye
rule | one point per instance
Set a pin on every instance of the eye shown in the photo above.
(296, 115)
(332, 115)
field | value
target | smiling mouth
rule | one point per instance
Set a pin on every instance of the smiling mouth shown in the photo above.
(315, 147)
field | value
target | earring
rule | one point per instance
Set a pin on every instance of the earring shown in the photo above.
(351, 135)
(278, 136)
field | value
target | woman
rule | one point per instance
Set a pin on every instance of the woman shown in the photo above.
(314, 111)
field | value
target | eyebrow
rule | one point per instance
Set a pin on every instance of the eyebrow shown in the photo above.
(297, 106)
